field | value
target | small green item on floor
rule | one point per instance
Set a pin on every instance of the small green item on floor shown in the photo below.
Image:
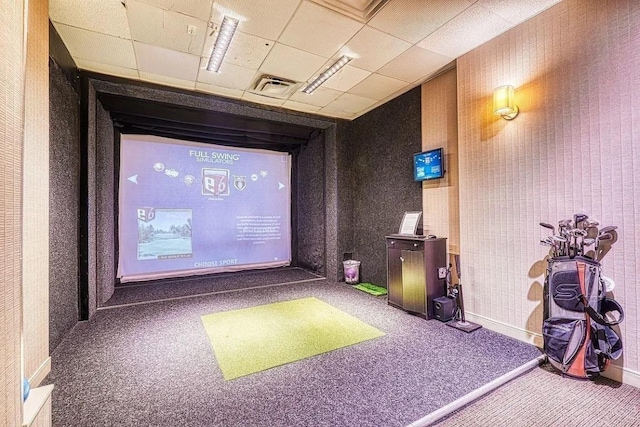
(372, 289)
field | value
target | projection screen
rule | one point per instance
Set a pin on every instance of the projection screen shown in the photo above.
(188, 208)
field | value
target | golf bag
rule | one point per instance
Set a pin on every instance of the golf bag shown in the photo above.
(578, 338)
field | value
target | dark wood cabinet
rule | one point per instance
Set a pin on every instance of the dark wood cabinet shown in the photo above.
(412, 272)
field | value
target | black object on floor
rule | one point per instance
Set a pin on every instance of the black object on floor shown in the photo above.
(464, 325)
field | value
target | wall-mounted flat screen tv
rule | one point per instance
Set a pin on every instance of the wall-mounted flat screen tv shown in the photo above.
(428, 165)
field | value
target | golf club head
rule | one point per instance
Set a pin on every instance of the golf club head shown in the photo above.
(564, 226)
(575, 232)
(579, 217)
(592, 231)
(608, 229)
(549, 226)
(565, 223)
(604, 243)
(561, 242)
(605, 238)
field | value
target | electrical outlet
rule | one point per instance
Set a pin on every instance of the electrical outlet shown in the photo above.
(442, 273)
(191, 30)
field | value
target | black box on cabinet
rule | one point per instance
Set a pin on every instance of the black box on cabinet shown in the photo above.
(444, 308)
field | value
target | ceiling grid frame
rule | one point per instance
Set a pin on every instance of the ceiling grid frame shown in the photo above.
(396, 48)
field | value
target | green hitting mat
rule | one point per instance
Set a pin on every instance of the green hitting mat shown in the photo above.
(372, 289)
(253, 339)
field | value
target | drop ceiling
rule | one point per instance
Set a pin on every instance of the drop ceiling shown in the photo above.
(396, 44)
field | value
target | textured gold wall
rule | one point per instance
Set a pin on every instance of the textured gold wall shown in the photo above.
(440, 129)
(35, 242)
(575, 146)
(11, 119)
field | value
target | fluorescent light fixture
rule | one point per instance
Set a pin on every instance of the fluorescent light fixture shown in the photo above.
(344, 60)
(227, 30)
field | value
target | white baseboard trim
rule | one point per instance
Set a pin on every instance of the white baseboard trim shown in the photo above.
(622, 375)
(614, 372)
(38, 398)
(505, 329)
(40, 373)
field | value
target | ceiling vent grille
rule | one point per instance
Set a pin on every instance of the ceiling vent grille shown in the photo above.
(274, 87)
(362, 10)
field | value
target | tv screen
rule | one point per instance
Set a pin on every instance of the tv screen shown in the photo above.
(187, 208)
(428, 165)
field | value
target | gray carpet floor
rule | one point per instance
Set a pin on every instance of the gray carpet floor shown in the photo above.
(543, 397)
(153, 365)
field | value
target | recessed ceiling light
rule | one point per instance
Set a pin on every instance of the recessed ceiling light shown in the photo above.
(227, 30)
(344, 60)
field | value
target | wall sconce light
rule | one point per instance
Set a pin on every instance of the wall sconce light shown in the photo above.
(504, 102)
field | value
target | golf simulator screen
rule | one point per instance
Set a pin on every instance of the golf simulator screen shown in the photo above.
(188, 208)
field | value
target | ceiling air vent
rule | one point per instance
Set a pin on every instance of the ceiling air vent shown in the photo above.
(274, 87)
(362, 10)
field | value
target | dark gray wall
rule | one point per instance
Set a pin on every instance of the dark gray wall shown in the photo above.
(105, 204)
(64, 189)
(345, 186)
(382, 143)
(92, 201)
(310, 206)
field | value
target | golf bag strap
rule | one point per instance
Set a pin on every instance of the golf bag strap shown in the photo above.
(599, 318)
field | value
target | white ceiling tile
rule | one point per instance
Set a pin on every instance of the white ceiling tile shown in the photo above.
(350, 103)
(337, 113)
(299, 106)
(291, 63)
(230, 76)
(159, 27)
(98, 35)
(161, 61)
(200, 9)
(245, 50)
(346, 78)
(320, 97)
(517, 11)
(248, 96)
(318, 30)
(216, 90)
(167, 81)
(377, 87)
(412, 20)
(111, 70)
(466, 31)
(414, 64)
(102, 16)
(265, 18)
(97, 47)
(372, 48)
